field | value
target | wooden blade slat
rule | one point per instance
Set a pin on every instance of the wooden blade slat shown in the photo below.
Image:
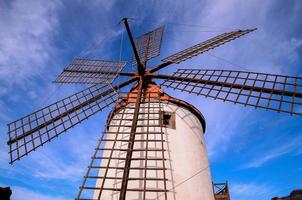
(148, 165)
(91, 71)
(148, 45)
(33, 130)
(205, 46)
(260, 90)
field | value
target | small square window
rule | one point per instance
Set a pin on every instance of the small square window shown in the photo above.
(167, 119)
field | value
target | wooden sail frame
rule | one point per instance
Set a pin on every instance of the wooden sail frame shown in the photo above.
(49, 122)
(147, 147)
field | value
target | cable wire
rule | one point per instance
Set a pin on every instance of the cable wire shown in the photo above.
(182, 182)
(215, 56)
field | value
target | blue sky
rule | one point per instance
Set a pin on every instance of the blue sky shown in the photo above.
(258, 152)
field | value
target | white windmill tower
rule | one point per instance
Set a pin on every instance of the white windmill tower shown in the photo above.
(168, 150)
(152, 146)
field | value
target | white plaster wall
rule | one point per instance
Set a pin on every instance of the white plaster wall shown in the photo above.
(188, 156)
(187, 164)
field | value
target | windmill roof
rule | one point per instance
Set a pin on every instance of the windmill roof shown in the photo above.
(154, 92)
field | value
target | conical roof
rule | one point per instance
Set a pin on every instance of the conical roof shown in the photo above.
(152, 90)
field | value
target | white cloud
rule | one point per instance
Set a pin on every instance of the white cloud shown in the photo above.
(51, 163)
(20, 193)
(26, 49)
(27, 46)
(26, 43)
(3, 112)
(284, 148)
(222, 128)
(290, 48)
(251, 191)
(65, 158)
(52, 166)
(253, 51)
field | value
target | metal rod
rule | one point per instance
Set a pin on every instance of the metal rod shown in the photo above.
(123, 84)
(131, 141)
(206, 45)
(146, 52)
(140, 67)
(100, 72)
(146, 152)
(111, 153)
(161, 66)
(162, 146)
(90, 165)
(217, 83)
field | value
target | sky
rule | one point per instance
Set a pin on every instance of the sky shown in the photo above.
(258, 152)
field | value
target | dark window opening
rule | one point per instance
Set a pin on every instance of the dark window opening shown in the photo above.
(168, 119)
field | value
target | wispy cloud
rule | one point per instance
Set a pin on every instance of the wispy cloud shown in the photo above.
(225, 121)
(20, 193)
(284, 148)
(58, 160)
(52, 166)
(3, 112)
(299, 151)
(251, 191)
(27, 46)
(27, 40)
(58, 167)
(222, 128)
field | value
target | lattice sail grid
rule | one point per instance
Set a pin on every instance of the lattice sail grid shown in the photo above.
(205, 46)
(147, 178)
(35, 129)
(91, 71)
(268, 91)
(148, 45)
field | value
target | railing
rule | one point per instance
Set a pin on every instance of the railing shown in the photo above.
(221, 191)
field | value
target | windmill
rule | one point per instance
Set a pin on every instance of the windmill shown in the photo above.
(152, 146)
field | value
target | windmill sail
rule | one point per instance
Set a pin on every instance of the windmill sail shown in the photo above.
(205, 46)
(147, 177)
(91, 71)
(35, 129)
(148, 45)
(268, 91)
(142, 153)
